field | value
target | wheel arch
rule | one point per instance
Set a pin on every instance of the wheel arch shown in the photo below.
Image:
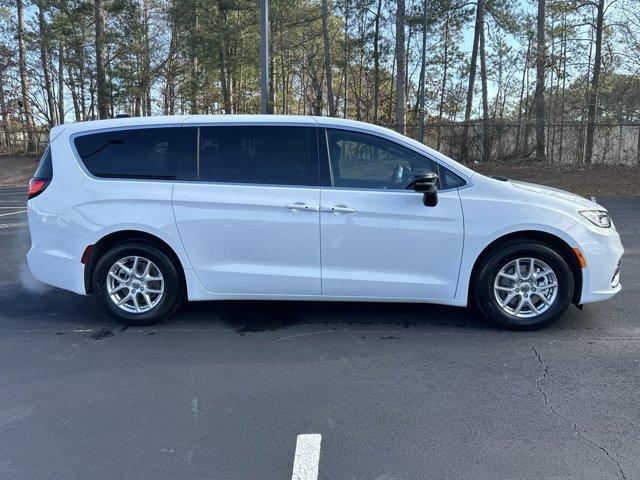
(553, 241)
(121, 236)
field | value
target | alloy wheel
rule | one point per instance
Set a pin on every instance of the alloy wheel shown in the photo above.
(525, 287)
(135, 284)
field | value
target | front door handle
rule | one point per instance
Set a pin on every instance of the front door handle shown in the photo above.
(339, 209)
(303, 206)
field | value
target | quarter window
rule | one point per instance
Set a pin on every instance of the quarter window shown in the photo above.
(45, 167)
(360, 160)
(136, 153)
(255, 154)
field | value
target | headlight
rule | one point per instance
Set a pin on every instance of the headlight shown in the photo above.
(599, 218)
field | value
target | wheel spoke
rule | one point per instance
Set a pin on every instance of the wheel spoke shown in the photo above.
(135, 302)
(518, 271)
(153, 290)
(544, 273)
(118, 288)
(542, 297)
(146, 269)
(124, 268)
(505, 289)
(508, 299)
(531, 268)
(509, 276)
(124, 299)
(520, 305)
(545, 287)
(532, 306)
(147, 299)
(116, 277)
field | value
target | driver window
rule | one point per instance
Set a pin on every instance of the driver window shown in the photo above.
(359, 160)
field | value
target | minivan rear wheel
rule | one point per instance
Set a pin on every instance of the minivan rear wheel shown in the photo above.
(524, 286)
(137, 284)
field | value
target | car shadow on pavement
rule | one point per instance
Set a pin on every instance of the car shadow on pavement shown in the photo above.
(260, 316)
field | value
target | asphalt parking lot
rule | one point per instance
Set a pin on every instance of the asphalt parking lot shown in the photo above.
(223, 390)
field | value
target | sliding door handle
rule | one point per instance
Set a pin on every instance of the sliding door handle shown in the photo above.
(339, 209)
(303, 207)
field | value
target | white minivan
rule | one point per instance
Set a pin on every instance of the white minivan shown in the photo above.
(147, 212)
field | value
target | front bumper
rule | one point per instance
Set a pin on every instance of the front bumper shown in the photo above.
(603, 251)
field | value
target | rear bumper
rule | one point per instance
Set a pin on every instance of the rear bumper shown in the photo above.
(603, 251)
(54, 256)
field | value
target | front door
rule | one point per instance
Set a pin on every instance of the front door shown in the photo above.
(249, 219)
(379, 239)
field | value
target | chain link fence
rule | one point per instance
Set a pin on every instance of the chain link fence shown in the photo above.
(505, 142)
(508, 142)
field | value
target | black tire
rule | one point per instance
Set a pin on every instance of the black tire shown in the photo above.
(485, 297)
(172, 296)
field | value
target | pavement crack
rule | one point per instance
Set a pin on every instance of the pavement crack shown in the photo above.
(553, 410)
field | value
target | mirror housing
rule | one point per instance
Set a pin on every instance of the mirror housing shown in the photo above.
(425, 183)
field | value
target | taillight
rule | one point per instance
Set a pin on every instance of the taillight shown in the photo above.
(37, 186)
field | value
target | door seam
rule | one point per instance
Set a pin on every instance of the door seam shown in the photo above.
(320, 243)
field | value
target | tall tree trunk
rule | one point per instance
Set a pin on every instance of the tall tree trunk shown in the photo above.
(5, 115)
(376, 63)
(146, 60)
(541, 59)
(443, 87)
(464, 143)
(551, 106)
(392, 89)
(44, 60)
(169, 103)
(521, 104)
(224, 82)
(61, 50)
(327, 58)
(345, 80)
(564, 87)
(195, 70)
(272, 86)
(592, 102)
(423, 66)
(24, 80)
(101, 76)
(361, 31)
(74, 94)
(486, 134)
(400, 69)
(638, 150)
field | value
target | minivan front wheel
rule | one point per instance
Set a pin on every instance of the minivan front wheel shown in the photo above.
(137, 284)
(524, 286)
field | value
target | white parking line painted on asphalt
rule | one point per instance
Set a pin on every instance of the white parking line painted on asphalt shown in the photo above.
(307, 458)
(12, 225)
(12, 213)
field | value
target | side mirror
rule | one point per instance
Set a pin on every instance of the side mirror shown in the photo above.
(425, 183)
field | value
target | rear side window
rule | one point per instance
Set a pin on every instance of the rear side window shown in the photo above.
(255, 154)
(45, 167)
(137, 153)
